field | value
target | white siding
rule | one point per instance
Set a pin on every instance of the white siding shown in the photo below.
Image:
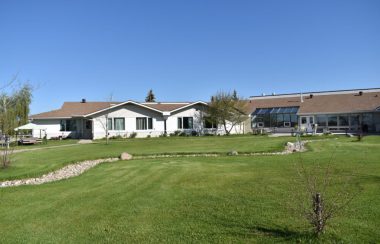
(129, 112)
(52, 129)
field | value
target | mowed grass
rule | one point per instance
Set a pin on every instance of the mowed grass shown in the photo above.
(208, 200)
(36, 163)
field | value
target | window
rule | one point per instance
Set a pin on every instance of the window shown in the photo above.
(303, 120)
(280, 120)
(150, 123)
(209, 124)
(109, 124)
(185, 123)
(188, 122)
(321, 120)
(343, 120)
(332, 120)
(88, 124)
(179, 123)
(119, 123)
(294, 120)
(143, 123)
(68, 125)
(276, 116)
(354, 120)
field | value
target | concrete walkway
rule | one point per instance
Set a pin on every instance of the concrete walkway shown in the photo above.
(41, 148)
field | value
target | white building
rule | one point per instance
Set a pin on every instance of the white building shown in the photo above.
(90, 120)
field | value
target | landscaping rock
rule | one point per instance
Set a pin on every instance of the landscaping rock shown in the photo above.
(64, 173)
(233, 153)
(126, 156)
(84, 141)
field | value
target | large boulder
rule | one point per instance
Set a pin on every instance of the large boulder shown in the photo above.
(126, 156)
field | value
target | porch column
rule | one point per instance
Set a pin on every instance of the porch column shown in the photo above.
(166, 116)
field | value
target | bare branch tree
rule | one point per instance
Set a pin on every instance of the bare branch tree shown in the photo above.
(320, 195)
(103, 120)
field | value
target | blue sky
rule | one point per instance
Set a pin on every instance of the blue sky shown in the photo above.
(187, 50)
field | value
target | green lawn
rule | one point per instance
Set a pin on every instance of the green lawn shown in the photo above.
(51, 143)
(223, 199)
(35, 163)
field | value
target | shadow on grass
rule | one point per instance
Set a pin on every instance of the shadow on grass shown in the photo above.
(282, 233)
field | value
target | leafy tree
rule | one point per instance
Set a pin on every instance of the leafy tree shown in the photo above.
(14, 111)
(150, 97)
(14, 108)
(227, 111)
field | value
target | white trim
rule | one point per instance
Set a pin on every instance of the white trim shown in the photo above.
(189, 105)
(121, 104)
(351, 112)
(317, 93)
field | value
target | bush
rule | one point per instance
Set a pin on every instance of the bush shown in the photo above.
(194, 133)
(209, 134)
(148, 136)
(115, 137)
(133, 135)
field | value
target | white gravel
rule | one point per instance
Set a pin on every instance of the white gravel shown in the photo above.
(63, 173)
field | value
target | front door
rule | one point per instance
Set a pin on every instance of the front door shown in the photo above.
(87, 129)
(307, 123)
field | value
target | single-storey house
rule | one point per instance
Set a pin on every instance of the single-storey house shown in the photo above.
(92, 120)
(330, 111)
(333, 111)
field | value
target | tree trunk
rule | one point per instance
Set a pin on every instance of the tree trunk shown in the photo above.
(225, 128)
(318, 210)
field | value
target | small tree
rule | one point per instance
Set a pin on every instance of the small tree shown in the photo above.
(318, 195)
(234, 95)
(104, 120)
(150, 97)
(227, 111)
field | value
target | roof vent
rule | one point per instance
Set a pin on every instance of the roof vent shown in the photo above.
(83, 100)
(360, 93)
(311, 95)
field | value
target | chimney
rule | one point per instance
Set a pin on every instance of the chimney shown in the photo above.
(311, 95)
(360, 93)
(301, 98)
(83, 100)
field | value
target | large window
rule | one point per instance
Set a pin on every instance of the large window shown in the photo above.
(275, 117)
(321, 120)
(68, 125)
(119, 123)
(144, 123)
(343, 120)
(185, 123)
(355, 120)
(332, 120)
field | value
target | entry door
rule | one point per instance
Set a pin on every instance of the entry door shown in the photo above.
(87, 129)
(307, 122)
